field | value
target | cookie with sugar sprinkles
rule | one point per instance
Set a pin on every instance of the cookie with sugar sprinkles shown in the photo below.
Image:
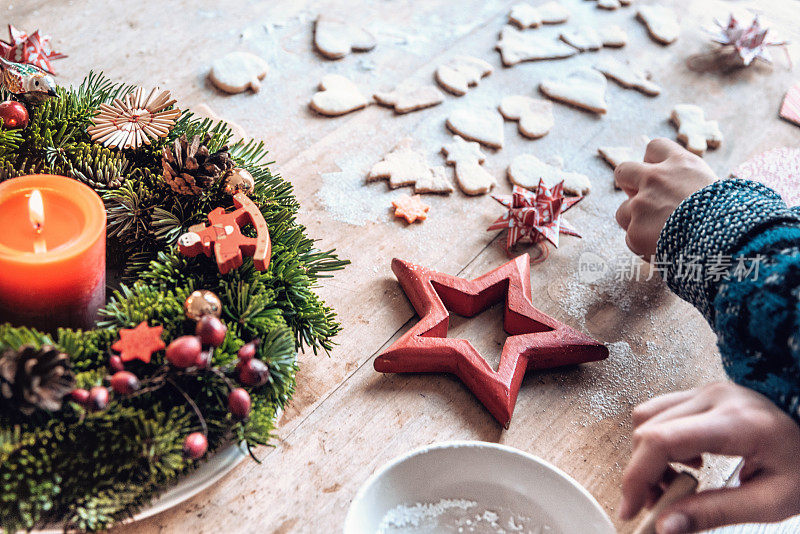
(779, 169)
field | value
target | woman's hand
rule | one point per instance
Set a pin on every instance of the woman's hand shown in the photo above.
(668, 175)
(720, 418)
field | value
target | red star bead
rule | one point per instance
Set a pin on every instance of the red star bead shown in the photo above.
(139, 343)
(535, 341)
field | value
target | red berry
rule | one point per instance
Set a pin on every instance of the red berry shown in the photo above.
(98, 398)
(239, 403)
(211, 331)
(124, 382)
(14, 115)
(253, 373)
(184, 351)
(247, 351)
(81, 396)
(115, 362)
(195, 445)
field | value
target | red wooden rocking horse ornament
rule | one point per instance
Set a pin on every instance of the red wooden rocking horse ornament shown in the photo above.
(223, 237)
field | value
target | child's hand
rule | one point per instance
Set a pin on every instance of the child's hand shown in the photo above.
(720, 418)
(668, 175)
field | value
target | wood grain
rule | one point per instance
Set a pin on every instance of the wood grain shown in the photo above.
(346, 420)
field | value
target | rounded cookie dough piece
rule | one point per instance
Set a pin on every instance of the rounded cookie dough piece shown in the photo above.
(535, 115)
(584, 88)
(237, 72)
(526, 170)
(478, 124)
(337, 96)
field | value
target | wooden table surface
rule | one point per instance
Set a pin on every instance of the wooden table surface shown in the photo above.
(346, 420)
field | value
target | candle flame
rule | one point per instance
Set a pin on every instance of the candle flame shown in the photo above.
(36, 210)
(36, 214)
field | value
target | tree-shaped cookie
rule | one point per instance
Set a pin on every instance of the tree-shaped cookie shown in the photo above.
(406, 166)
(467, 157)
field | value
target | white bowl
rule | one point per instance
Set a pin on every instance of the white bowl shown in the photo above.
(494, 477)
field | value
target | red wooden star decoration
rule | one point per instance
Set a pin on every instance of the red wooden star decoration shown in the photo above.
(139, 343)
(224, 238)
(536, 341)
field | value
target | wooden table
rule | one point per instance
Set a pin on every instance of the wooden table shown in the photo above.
(345, 419)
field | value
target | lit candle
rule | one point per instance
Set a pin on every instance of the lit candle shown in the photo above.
(52, 252)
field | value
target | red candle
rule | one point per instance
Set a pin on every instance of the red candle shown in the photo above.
(52, 252)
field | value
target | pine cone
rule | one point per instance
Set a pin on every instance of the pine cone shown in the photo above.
(33, 378)
(189, 167)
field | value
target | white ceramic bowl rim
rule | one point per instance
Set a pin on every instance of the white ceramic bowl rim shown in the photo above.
(365, 487)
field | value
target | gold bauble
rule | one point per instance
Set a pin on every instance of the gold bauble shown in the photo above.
(202, 302)
(239, 181)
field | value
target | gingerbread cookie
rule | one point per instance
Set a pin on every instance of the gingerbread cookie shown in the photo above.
(583, 88)
(661, 23)
(516, 47)
(334, 38)
(612, 4)
(467, 157)
(405, 166)
(526, 16)
(627, 76)
(412, 209)
(462, 72)
(614, 155)
(694, 131)
(407, 100)
(535, 115)
(482, 125)
(790, 108)
(586, 38)
(526, 171)
(337, 96)
(237, 72)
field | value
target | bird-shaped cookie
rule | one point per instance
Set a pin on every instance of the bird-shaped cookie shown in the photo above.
(28, 81)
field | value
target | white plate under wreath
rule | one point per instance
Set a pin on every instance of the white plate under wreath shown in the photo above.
(209, 473)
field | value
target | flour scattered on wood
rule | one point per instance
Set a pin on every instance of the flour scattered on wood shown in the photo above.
(459, 516)
(347, 197)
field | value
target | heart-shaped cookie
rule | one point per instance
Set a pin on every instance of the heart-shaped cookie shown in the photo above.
(583, 88)
(482, 125)
(337, 96)
(334, 38)
(535, 115)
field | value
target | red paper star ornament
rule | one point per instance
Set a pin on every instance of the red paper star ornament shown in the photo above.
(535, 215)
(33, 49)
(139, 343)
(536, 341)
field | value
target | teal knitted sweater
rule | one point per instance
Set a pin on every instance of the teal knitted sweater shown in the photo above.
(747, 244)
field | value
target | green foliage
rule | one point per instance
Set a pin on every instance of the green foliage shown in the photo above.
(87, 470)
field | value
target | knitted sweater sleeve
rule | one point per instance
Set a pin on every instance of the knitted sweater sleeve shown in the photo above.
(732, 250)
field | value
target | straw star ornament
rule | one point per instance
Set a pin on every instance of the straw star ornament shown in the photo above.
(134, 120)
